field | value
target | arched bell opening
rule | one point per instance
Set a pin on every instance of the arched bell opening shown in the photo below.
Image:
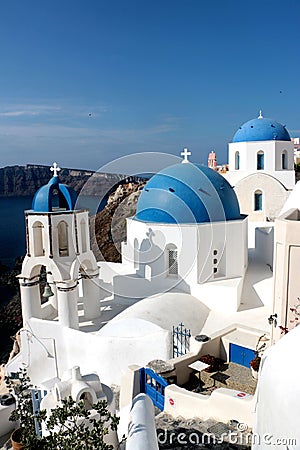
(38, 239)
(63, 240)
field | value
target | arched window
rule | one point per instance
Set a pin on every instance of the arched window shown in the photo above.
(38, 239)
(87, 399)
(63, 244)
(258, 199)
(136, 253)
(83, 236)
(284, 160)
(172, 259)
(237, 161)
(260, 160)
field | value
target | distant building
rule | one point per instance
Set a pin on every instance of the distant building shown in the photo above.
(296, 142)
(212, 163)
(212, 160)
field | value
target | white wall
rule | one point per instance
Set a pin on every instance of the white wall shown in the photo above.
(264, 244)
(50, 349)
(274, 196)
(278, 392)
(293, 200)
(286, 269)
(272, 160)
(5, 425)
(222, 405)
(196, 244)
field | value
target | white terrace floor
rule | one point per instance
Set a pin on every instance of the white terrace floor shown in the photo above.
(253, 312)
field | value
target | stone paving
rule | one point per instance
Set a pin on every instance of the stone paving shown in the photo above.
(176, 434)
(231, 376)
(192, 434)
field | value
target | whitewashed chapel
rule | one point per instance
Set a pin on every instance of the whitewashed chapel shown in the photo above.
(186, 259)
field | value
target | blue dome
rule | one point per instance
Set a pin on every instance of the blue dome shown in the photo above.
(54, 195)
(261, 129)
(187, 193)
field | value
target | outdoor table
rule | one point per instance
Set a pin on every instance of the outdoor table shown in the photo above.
(198, 366)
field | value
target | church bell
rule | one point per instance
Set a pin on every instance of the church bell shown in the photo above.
(47, 291)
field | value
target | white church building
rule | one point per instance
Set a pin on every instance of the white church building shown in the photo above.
(187, 259)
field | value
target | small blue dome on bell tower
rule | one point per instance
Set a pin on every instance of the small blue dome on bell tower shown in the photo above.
(54, 195)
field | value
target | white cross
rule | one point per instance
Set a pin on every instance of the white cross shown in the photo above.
(55, 169)
(260, 115)
(185, 155)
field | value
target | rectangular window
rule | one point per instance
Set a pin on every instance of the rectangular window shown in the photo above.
(258, 201)
(173, 263)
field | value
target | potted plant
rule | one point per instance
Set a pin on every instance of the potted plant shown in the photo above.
(215, 364)
(255, 363)
(69, 425)
(24, 437)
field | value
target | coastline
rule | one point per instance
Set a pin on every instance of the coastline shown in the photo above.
(10, 309)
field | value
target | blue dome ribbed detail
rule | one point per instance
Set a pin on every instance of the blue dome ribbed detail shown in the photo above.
(187, 193)
(261, 129)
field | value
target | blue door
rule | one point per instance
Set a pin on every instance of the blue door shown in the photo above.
(241, 355)
(153, 385)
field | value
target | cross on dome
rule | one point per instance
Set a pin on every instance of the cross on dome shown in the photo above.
(260, 115)
(55, 169)
(185, 155)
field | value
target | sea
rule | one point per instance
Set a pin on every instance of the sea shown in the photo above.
(12, 224)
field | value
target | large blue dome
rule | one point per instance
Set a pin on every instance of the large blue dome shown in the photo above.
(54, 195)
(187, 193)
(261, 129)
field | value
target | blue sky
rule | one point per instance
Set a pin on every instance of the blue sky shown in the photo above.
(84, 82)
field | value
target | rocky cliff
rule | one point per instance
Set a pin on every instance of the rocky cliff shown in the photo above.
(25, 180)
(108, 227)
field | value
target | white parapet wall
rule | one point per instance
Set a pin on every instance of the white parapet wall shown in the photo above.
(45, 346)
(222, 405)
(130, 385)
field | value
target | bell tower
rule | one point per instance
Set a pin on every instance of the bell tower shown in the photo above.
(212, 160)
(58, 257)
